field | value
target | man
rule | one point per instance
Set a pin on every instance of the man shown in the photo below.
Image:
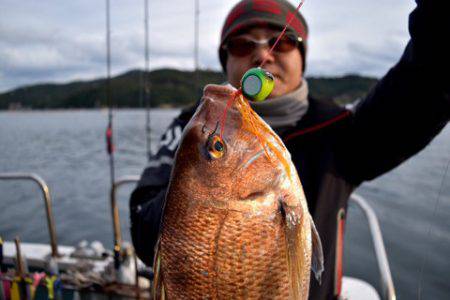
(334, 149)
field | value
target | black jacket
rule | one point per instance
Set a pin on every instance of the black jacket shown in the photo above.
(335, 149)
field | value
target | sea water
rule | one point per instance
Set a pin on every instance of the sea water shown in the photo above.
(67, 149)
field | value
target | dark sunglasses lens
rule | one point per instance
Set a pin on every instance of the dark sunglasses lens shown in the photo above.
(240, 46)
(285, 44)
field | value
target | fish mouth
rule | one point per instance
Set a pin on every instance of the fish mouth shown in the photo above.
(212, 114)
(208, 131)
(207, 116)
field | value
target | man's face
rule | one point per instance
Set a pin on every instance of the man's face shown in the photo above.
(286, 67)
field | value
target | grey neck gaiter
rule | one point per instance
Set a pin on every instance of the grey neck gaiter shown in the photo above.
(285, 110)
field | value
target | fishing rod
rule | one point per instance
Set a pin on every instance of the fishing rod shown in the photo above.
(109, 129)
(21, 281)
(2, 267)
(146, 82)
(2, 270)
(110, 140)
(196, 52)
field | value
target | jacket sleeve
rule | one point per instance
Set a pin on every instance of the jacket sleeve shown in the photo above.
(147, 199)
(408, 107)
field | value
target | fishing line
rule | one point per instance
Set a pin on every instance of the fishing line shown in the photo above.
(230, 102)
(109, 129)
(419, 289)
(198, 91)
(147, 84)
(282, 33)
(109, 133)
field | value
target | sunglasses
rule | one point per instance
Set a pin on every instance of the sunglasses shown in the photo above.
(242, 46)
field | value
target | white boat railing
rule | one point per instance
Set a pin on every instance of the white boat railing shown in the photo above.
(387, 284)
(47, 199)
(115, 213)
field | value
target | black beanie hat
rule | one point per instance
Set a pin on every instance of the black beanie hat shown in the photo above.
(273, 13)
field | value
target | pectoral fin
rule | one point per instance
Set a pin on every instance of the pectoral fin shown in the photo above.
(317, 253)
(297, 260)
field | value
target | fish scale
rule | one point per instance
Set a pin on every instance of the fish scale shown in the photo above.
(254, 268)
(193, 252)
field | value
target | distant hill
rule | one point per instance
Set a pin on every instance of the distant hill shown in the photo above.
(169, 88)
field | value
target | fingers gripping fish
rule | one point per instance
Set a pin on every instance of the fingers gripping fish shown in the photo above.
(236, 223)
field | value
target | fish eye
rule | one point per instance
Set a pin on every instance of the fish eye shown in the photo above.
(215, 146)
(218, 146)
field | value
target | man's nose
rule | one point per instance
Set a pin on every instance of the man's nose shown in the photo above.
(261, 53)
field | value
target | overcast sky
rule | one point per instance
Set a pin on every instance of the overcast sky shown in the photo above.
(60, 41)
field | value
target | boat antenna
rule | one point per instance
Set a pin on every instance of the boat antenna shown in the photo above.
(196, 41)
(146, 84)
(109, 133)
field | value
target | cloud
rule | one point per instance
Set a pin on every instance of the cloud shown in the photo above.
(370, 58)
(42, 41)
(356, 36)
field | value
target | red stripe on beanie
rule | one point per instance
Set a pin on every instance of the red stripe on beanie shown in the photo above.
(235, 13)
(269, 6)
(254, 21)
(296, 24)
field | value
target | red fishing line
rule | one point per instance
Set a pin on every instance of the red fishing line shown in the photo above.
(225, 111)
(282, 33)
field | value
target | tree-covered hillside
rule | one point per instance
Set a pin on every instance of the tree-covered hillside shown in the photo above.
(168, 88)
